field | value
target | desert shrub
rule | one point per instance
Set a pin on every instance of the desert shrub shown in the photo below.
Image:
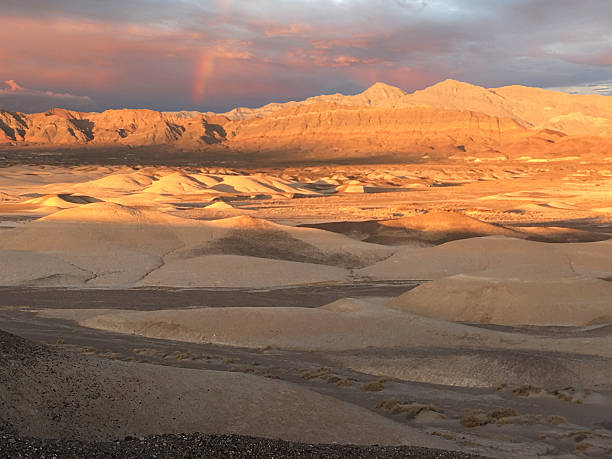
(503, 413)
(556, 419)
(526, 390)
(372, 386)
(344, 382)
(472, 420)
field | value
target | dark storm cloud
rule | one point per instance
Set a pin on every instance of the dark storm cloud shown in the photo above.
(219, 53)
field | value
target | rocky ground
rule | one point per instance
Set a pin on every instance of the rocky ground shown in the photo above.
(203, 446)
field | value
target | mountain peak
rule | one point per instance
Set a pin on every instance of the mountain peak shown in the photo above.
(453, 85)
(382, 91)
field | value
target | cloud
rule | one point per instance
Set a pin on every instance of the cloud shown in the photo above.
(160, 53)
(13, 86)
(603, 88)
(16, 98)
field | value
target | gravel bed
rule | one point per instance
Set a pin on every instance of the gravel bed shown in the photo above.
(202, 446)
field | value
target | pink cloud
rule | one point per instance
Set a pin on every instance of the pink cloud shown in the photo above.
(14, 97)
(286, 30)
(13, 86)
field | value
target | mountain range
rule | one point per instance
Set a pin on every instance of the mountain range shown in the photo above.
(451, 119)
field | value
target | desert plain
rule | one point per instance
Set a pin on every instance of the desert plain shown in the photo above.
(430, 270)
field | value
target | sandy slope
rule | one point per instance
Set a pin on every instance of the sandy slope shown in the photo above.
(77, 397)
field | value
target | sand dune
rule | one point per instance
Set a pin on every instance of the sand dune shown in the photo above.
(176, 183)
(424, 229)
(256, 184)
(510, 296)
(221, 206)
(240, 271)
(60, 201)
(327, 328)
(21, 267)
(120, 245)
(478, 254)
(134, 181)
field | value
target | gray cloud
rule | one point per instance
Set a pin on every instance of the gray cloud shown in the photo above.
(14, 97)
(146, 52)
(603, 88)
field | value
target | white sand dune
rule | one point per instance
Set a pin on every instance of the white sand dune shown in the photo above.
(435, 226)
(207, 179)
(127, 182)
(221, 206)
(257, 184)
(60, 201)
(512, 297)
(347, 325)
(478, 254)
(176, 183)
(120, 245)
(241, 271)
(328, 328)
(20, 267)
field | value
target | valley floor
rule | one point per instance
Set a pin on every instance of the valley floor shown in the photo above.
(463, 307)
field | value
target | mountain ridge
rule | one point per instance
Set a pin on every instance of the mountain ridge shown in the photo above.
(447, 119)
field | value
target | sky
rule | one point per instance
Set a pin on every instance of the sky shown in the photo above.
(213, 55)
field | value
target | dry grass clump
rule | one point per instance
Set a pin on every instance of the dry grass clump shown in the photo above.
(149, 352)
(372, 386)
(378, 385)
(472, 420)
(412, 409)
(388, 404)
(503, 413)
(556, 420)
(565, 394)
(500, 417)
(476, 418)
(325, 373)
(526, 390)
(322, 373)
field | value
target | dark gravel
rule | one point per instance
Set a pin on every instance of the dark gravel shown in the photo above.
(202, 446)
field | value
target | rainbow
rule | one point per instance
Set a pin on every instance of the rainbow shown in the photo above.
(204, 65)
